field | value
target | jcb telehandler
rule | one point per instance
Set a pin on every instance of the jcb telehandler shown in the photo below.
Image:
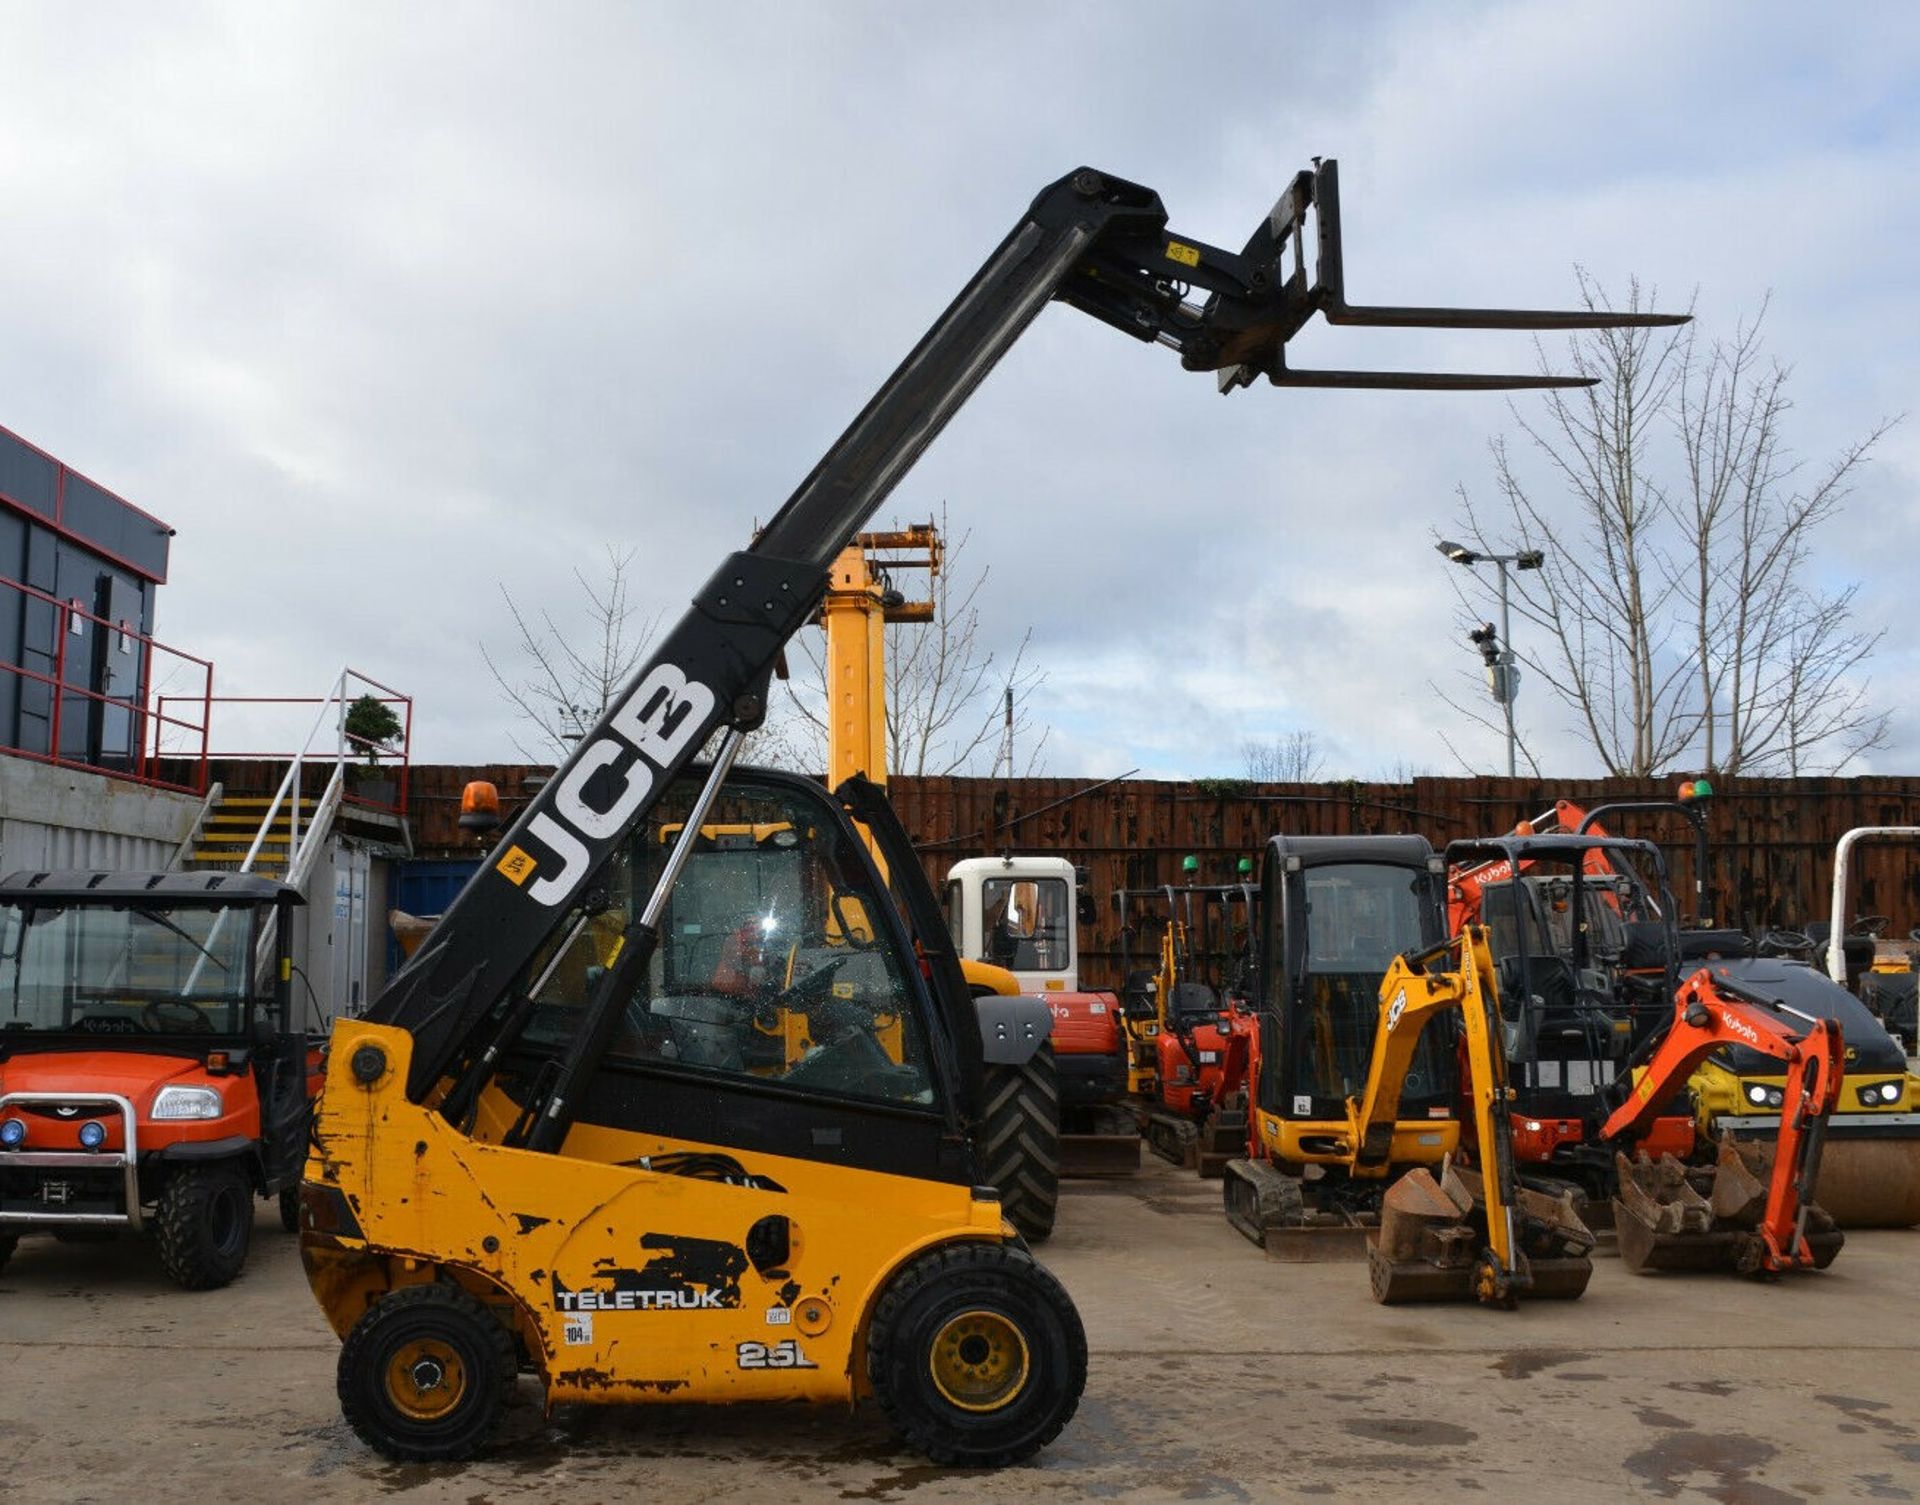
(542, 1150)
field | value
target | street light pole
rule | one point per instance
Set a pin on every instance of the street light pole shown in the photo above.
(1506, 662)
(1503, 676)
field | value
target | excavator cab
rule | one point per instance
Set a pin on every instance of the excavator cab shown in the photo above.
(1335, 912)
(1585, 953)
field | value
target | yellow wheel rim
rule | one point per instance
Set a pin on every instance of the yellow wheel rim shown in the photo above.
(425, 1379)
(979, 1361)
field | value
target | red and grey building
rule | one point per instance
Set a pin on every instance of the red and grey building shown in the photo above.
(79, 572)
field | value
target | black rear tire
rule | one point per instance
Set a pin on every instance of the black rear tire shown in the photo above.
(1020, 1142)
(425, 1374)
(204, 1225)
(8, 1243)
(977, 1355)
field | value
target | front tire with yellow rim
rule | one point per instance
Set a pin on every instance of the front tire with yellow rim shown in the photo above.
(977, 1354)
(425, 1374)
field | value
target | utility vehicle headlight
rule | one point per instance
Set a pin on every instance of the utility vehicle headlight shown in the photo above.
(1879, 1094)
(1756, 1094)
(93, 1134)
(13, 1133)
(187, 1102)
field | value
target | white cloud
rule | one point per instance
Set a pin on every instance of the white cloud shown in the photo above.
(385, 307)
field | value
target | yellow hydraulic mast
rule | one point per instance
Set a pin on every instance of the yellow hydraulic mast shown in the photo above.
(861, 599)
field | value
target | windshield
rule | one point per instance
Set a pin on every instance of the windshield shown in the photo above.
(1359, 917)
(773, 962)
(103, 969)
(1026, 923)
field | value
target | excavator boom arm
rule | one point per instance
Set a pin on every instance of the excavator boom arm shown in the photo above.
(1711, 1010)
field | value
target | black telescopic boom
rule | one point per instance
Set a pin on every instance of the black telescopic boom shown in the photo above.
(1090, 240)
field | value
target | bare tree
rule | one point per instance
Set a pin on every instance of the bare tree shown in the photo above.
(560, 690)
(1673, 614)
(947, 692)
(1776, 662)
(1290, 758)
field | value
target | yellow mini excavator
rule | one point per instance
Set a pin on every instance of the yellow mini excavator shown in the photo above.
(1469, 1233)
(576, 1135)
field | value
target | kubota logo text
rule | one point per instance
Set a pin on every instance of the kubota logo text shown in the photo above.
(651, 726)
(1740, 1027)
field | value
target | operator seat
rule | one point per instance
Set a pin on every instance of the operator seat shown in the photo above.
(1193, 1003)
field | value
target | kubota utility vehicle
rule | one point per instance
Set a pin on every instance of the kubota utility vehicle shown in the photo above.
(151, 1079)
(544, 1149)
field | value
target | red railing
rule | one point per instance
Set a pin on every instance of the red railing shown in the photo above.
(384, 763)
(150, 720)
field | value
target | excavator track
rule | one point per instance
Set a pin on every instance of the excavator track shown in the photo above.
(1174, 1139)
(1270, 1209)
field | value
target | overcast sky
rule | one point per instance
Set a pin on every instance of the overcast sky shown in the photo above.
(385, 307)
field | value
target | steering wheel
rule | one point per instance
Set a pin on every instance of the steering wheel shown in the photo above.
(1871, 925)
(175, 1016)
(1786, 943)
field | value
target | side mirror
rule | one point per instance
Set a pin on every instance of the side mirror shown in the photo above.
(1084, 907)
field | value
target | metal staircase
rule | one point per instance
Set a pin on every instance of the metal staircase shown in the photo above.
(246, 833)
(285, 834)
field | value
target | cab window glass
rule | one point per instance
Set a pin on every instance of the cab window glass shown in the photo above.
(957, 915)
(1359, 917)
(124, 969)
(1026, 922)
(774, 961)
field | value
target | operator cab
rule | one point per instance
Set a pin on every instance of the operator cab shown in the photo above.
(1020, 912)
(160, 960)
(1585, 946)
(1335, 912)
(783, 1009)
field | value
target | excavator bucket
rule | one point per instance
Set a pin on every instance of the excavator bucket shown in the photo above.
(1670, 1216)
(1864, 1183)
(1432, 1244)
(1271, 1210)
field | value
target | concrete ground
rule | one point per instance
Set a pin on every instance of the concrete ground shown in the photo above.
(1216, 1374)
